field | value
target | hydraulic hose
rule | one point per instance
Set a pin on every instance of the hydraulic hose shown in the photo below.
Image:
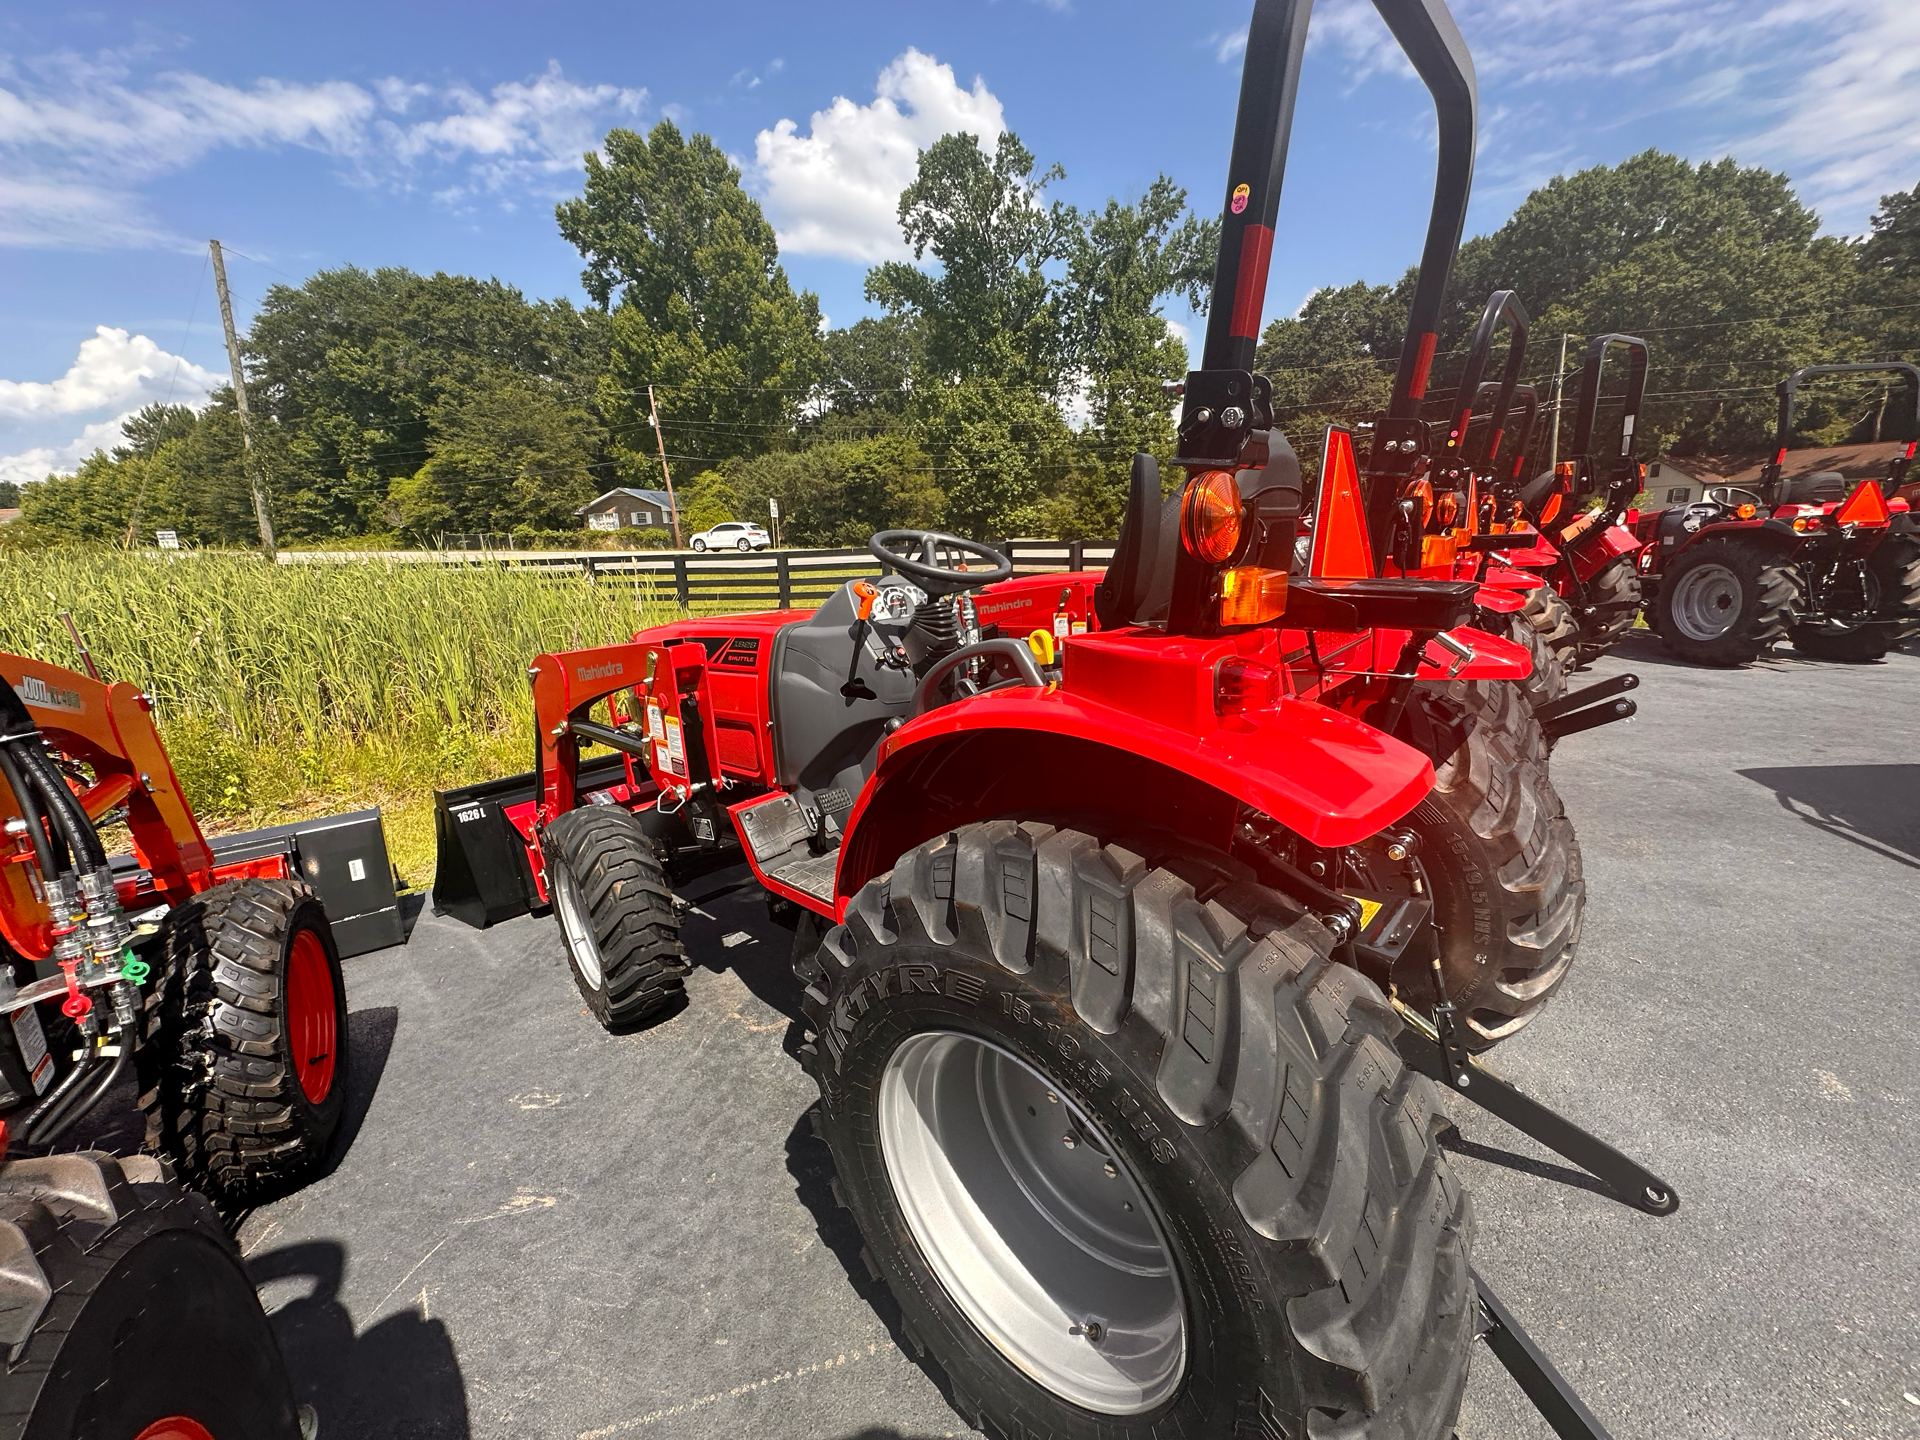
(64, 806)
(23, 795)
(60, 1092)
(79, 1103)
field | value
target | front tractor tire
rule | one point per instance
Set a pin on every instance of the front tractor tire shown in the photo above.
(124, 1306)
(1503, 866)
(1544, 625)
(247, 1039)
(616, 914)
(1135, 1158)
(1724, 601)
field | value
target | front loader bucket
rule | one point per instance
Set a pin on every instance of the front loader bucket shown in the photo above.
(344, 859)
(481, 873)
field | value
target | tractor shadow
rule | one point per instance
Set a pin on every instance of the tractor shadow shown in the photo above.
(399, 1378)
(1454, 1143)
(810, 1163)
(370, 1035)
(729, 928)
(1876, 807)
(1643, 647)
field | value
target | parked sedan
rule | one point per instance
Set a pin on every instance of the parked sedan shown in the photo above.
(732, 535)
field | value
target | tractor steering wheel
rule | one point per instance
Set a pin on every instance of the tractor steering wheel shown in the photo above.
(1724, 496)
(937, 578)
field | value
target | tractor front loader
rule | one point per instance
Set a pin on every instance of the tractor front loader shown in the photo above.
(211, 973)
(1128, 961)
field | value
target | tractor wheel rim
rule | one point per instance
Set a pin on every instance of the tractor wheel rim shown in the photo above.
(175, 1427)
(1038, 1229)
(312, 1018)
(1708, 601)
(575, 926)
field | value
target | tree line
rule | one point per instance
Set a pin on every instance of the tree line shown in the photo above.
(1003, 389)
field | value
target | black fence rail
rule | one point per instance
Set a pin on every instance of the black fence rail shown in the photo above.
(711, 583)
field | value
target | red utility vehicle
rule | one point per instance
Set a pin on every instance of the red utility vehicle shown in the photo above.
(212, 974)
(1120, 955)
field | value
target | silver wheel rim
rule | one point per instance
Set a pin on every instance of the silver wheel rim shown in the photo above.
(574, 926)
(1036, 1227)
(744, 545)
(1707, 602)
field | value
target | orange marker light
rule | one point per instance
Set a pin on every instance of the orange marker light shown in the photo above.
(1745, 512)
(1551, 508)
(1250, 595)
(1424, 490)
(1449, 508)
(1210, 517)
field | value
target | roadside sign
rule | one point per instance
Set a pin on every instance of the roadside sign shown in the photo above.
(169, 539)
(773, 507)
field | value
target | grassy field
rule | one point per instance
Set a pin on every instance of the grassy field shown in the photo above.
(289, 691)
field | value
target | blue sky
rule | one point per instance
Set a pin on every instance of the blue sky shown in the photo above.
(440, 136)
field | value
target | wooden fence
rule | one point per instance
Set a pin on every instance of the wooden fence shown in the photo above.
(714, 582)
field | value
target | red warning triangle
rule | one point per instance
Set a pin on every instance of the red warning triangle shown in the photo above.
(1866, 506)
(1341, 549)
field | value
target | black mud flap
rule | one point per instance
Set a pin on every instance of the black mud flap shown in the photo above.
(344, 859)
(481, 874)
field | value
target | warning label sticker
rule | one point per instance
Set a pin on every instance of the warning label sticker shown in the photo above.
(654, 727)
(676, 747)
(33, 1046)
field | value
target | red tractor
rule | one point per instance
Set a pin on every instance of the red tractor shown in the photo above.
(212, 975)
(1121, 955)
(1835, 568)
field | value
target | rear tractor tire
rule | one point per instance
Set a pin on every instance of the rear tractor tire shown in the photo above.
(1724, 601)
(1135, 1158)
(124, 1306)
(616, 914)
(247, 1034)
(1892, 595)
(1615, 594)
(1503, 865)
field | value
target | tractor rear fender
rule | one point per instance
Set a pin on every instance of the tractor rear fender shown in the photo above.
(1331, 778)
(1774, 534)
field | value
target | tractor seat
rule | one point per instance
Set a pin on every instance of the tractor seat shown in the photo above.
(1818, 488)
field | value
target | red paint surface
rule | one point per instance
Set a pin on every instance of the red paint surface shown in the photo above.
(1250, 284)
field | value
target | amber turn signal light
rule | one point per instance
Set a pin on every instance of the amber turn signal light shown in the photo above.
(1250, 595)
(1424, 492)
(1210, 517)
(1744, 512)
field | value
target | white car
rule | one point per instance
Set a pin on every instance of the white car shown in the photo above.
(732, 535)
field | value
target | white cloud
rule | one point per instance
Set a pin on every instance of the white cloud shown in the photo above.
(836, 190)
(113, 369)
(1825, 89)
(72, 132)
(43, 460)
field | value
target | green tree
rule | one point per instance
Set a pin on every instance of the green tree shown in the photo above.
(1333, 362)
(1124, 261)
(993, 307)
(839, 492)
(704, 313)
(9, 495)
(867, 377)
(352, 367)
(509, 454)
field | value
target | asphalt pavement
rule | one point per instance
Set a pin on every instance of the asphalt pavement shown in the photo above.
(540, 1229)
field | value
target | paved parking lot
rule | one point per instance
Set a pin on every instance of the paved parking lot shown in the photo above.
(540, 1229)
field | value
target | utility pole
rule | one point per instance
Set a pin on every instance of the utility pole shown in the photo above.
(1559, 382)
(673, 506)
(240, 401)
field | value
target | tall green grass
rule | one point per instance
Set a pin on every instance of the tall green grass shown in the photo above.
(283, 689)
